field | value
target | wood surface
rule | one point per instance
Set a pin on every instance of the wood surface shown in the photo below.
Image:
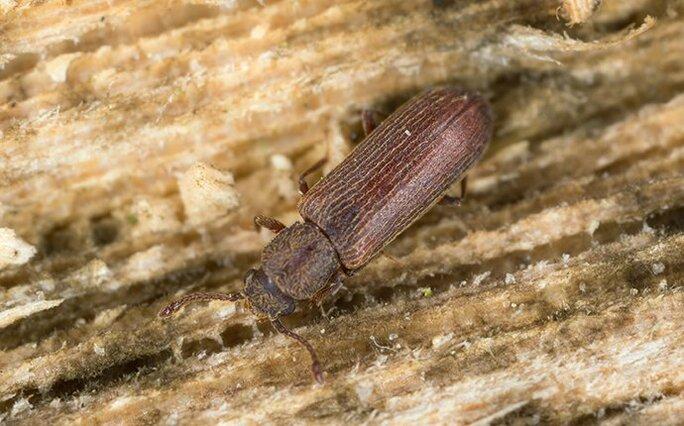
(139, 138)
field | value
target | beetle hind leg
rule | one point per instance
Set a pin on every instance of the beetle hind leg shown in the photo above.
(448, 200)
(392, 258)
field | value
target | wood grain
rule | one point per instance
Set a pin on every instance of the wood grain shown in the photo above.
(552, 296)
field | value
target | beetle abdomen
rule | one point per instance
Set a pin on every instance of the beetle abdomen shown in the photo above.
(398, 172)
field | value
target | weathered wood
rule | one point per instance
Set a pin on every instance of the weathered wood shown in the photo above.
(138, 141)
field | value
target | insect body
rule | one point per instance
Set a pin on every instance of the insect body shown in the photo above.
(393, 177)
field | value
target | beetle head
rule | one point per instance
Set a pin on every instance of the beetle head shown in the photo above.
(264, 297)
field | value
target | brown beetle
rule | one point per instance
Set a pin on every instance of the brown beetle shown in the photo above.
(394, 176)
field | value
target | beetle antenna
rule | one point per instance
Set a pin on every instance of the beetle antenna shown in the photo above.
(315, 364)
(174, 306)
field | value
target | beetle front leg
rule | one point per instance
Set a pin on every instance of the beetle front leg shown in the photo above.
(328, 291)
(273, 225)
(448, 200)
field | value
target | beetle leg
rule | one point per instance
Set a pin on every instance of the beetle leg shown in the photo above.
(174, 306)
(273, 225)
(303, 186)
(392, 258)
(369, 121)
(332, 291)
(315, 364)
(448, 200)
(464, 186)
(328, 291)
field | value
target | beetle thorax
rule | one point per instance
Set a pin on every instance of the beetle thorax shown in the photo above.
(300, 261)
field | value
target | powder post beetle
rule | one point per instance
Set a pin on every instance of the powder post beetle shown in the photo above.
(395, 175)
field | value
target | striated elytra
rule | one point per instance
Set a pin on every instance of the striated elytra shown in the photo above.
(394, 176)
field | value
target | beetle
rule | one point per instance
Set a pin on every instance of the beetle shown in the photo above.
(401, 169)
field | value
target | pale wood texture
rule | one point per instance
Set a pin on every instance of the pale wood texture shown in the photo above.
(139, 138)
